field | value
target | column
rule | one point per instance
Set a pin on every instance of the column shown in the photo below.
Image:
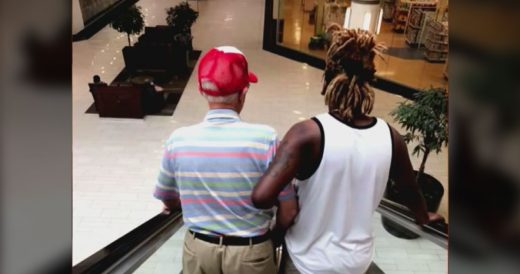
(364, 14)
(77, 17)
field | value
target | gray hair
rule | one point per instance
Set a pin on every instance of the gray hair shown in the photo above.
(228, 99)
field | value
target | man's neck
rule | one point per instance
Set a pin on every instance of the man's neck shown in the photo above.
(222, 106)
(358, 121)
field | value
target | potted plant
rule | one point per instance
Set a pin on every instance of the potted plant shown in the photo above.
(181, 18)
(319, 41)
(426, 121)
(130, 21)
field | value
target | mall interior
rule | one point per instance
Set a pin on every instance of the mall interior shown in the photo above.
(117, 225)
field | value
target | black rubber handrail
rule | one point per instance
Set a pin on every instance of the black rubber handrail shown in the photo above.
(436, 232)
(128, 252)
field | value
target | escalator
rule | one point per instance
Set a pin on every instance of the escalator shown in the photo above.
(127, 253)
(131, 252)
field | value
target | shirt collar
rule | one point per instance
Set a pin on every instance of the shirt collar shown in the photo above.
(221, 115)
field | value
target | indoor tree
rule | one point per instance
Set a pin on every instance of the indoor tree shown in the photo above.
(426, 121)
(181, 18)
(130, 21)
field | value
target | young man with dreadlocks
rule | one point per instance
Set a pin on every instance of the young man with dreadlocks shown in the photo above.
(341, 161)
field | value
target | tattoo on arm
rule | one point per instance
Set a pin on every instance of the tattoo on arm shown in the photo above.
(281, 171)
(281, 162)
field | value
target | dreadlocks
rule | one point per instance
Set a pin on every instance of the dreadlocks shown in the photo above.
(349, 69)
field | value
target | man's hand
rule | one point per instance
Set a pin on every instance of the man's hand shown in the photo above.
(166, 210)
(171, 205)
(286, 213)
(434, 217)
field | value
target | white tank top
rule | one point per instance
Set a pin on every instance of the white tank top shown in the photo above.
(333, 230)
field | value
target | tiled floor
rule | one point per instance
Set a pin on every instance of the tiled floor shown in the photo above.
(116, 160)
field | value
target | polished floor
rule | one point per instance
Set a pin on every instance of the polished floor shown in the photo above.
(417, 73)
(115, 161)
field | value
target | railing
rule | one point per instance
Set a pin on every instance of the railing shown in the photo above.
(436, 232)
(127, 253)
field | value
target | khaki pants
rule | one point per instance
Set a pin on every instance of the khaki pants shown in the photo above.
(200, 257)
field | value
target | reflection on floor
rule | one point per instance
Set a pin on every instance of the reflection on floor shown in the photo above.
(406, 53)
(400, 64)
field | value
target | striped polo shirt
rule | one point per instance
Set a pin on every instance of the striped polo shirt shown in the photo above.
(213, 167)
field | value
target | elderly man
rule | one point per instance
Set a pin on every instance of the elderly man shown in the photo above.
(211, 168)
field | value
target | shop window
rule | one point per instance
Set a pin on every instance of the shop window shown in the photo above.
(415, 32)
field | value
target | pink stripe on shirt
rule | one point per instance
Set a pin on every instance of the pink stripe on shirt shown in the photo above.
(214, 201)
(259, 156)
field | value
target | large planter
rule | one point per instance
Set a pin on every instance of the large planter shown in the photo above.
(316, 42)
(432, 191)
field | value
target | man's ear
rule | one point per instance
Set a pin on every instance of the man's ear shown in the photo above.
(242, 95)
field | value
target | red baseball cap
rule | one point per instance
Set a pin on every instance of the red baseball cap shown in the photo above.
(223, 71)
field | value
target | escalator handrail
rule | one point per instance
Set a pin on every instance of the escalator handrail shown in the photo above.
(128, 252)
(403, 216)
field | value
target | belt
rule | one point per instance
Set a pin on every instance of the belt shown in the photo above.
(231, 240)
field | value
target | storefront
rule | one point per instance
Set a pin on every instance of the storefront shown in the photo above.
(415, 32)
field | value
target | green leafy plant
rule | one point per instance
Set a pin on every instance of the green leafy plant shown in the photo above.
(181, 18)
(426, 121)
(130, 21)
